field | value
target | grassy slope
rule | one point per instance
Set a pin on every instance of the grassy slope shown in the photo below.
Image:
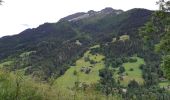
(136, 74)
(164, 84)
(7, 63)
(68, 79)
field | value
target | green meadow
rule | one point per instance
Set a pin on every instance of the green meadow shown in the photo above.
(69, 78)
(136, 74)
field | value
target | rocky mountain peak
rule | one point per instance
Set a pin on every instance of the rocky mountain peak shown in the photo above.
(107, 10)
(91, 13)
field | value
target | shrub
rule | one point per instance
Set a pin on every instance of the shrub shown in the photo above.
(125, 59)
(75, 72)
(132, 60)
(87, 71)
(131, 69)
(133, 84)
(121, 69)
(141, 66)
(86, 59)
(92, 62)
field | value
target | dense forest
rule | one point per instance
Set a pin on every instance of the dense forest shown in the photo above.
(106, 55)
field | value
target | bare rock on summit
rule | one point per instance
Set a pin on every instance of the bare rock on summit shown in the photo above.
(91, 14)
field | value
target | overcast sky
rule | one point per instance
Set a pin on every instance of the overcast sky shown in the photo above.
(18, 15)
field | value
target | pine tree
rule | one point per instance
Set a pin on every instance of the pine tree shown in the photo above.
(107, 82)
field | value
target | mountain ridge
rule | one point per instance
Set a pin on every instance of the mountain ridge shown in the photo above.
(90, 13)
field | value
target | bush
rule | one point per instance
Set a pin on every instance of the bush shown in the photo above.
(92, 62)
(119, 61)
(86, 59)
(75, 72)
(121, 69)
(131, 69)
(133, 84)
(142, 66)
(73, 64)
(132, 60)
(87, 71)
(125, 59)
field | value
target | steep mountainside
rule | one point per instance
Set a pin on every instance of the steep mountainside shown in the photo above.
(52, 47)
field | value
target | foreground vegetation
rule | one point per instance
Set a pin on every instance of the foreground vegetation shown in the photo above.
(15, 86)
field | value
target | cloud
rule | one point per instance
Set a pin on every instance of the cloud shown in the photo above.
(25, 25)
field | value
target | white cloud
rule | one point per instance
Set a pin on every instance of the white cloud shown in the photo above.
(17, 15)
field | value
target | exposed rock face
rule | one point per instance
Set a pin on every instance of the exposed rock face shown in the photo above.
(107, 10)
(72, 16)
(91, 13)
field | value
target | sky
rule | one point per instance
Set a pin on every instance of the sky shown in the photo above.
(18, 15)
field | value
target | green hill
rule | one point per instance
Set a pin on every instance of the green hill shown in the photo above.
(80, 73)
(87, 72)
(133, 72)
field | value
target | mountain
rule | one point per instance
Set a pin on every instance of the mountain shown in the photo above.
(91, 14)
(51, 48)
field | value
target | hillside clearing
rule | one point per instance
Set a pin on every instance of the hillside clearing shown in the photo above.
(69, 78)
(129, 75)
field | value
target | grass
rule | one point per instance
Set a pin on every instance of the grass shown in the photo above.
(68, 79)
(29, 89)
(114, 40)
(25, 54)
(7, 63)
(95, 46)
(164, 84)
(136, 74)
(124, 37)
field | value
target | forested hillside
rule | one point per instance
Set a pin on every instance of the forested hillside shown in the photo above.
(51, 47)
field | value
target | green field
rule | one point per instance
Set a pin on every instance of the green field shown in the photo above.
(7, 63)
(95, 46)
(68, 79)
(136, 74)
(164, 84)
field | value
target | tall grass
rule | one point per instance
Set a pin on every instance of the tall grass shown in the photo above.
(15, 86)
